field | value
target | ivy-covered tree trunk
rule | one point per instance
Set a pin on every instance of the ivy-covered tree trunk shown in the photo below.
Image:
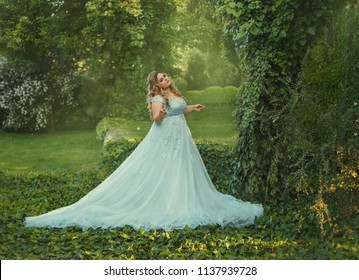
(271, 38)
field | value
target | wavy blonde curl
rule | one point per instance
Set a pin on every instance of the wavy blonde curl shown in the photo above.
(154, 89)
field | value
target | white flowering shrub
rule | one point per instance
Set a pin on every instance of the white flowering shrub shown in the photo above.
(32, 102)
(25, 103)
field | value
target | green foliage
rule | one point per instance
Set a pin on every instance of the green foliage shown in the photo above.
(197, 77)
(341, 196)
(107, 48)
(282, 233)
(326, 114)
(271, 39)
(103, 126)
(325, 107)
(43, 32)
(32, 101)
(89, 105)
(220, 162)
(115, 153)
(108, 42)
(125, 42)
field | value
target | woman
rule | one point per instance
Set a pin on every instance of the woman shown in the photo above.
(163, 184)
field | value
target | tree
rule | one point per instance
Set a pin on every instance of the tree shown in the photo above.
(128, 39)
(43, 32)
(272, 38)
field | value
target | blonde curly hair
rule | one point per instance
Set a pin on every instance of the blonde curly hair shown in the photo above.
(153, 89)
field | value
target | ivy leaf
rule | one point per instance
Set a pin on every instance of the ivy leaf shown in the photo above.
(254, 30)
(283, 33)
(124, 236)
(311, 30)
(302, 42)
(240, 5)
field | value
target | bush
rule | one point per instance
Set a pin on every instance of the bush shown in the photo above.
(89, 105)
(103, 126)
(218, 96)
(219, 160)
(120, 127)
(25, 101)
(32, 101)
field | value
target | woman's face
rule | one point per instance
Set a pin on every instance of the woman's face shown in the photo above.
(164, 81)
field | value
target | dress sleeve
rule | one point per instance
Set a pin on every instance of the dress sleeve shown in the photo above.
(159, 99)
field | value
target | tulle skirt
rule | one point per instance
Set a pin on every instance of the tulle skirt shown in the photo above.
(163, 184)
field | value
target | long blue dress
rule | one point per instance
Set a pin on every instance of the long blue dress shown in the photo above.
(163, 184)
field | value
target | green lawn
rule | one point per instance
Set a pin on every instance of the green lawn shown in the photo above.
(214, 124)
(48, 152)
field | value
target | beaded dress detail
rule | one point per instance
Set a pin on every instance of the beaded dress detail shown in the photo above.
(163, 184)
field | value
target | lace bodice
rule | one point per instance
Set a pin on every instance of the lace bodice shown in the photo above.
(177, 105)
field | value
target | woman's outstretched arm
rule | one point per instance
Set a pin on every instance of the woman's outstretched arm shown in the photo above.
(194, 108)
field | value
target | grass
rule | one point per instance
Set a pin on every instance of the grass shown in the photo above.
(215, 123)
(49, 152)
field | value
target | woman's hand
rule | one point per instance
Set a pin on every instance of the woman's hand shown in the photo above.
(158, 112)
(163, 113)
(198, 107)
(192, 108)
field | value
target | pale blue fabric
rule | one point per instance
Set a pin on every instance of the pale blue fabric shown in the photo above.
(163, 184)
